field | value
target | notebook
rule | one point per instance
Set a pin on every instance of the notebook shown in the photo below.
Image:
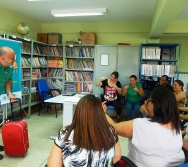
(68, 94)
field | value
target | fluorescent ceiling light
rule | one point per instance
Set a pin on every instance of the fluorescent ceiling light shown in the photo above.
(40, 0)
(79, 12)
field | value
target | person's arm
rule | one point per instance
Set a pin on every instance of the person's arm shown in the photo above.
(8, 88)
(124, 129)
(124, 91)
(185, 144)
(140, 91)
(181, 95)
(184, 109)
(99, 83)
(117, 88)
(55, 158)
(117, 153)
(184, 117)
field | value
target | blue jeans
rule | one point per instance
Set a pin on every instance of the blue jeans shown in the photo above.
(133, 109)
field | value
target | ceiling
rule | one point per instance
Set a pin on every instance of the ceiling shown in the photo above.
(118, 10)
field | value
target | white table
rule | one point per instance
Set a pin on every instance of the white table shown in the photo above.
(68, 106)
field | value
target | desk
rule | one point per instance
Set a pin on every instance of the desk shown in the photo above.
(68, 107)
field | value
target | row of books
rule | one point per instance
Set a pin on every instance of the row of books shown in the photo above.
(78, 76)
(55, 63)
(79, 52)
(34, 62)
(55, 84)
(35, 97)
(79, 64)
(158, 70)
(151, 53)
(48, 50)
(26, 47)
(25, 99)
(78, 87)
(55, 72)
(38, 73)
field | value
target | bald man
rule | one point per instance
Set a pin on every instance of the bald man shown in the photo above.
(7, 57)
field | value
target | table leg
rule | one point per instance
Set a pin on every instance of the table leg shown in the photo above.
(68, 112)
(4, 106)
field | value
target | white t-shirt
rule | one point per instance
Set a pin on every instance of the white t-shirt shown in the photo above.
(74, 156)
(152, 145)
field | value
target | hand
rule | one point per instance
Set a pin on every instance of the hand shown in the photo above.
(126, 87)
(104, 106)
(143, 109)
(136, 89)
(12, 98)
(115, 86)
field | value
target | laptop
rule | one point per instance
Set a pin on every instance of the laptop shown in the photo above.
(68, 94)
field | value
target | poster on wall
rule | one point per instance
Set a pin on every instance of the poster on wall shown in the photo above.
(16, 77)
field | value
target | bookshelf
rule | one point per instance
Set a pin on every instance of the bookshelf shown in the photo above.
(65, 67)
(79, 68)
(55, 67)
(33, 66)
(157, 59)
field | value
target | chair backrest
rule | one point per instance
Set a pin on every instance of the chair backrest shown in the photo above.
(124, 162)
(42, 86)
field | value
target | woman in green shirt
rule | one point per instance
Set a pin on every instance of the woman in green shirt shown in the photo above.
(133, 92)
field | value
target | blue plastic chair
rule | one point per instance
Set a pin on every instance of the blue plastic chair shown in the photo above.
(183, 165)
(45, 93)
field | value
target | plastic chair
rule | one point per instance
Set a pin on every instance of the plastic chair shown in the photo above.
(124, 162)
(46, 93)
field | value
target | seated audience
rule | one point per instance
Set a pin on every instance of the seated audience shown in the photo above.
(163, 82)
(112, 91)
(133, 93)
(89, 141)
(179, 93)
(155, 141)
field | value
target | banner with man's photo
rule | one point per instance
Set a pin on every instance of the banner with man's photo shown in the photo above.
(16, 77)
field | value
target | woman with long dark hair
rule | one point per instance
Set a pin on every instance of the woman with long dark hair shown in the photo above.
(155, 141)
(89, 141)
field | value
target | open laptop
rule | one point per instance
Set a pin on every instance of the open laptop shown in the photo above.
(68, 94)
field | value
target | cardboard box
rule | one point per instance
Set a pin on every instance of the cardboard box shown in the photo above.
(88, 38)
(54, 38)
(42, 37)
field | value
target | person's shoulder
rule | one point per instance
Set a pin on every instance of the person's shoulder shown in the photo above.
(157, 86)
(141, 120)
(138, 84)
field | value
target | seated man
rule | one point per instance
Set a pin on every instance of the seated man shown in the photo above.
(163, 82)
